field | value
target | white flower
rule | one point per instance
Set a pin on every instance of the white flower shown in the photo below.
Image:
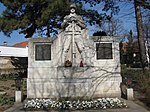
(104, 107)
(99, 103)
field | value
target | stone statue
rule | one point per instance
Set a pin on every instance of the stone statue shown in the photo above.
(74, 29)
(73, 19)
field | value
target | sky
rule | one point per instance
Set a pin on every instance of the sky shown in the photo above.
(15, 36)
(126, 15)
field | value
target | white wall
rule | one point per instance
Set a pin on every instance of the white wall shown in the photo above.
(13, 51)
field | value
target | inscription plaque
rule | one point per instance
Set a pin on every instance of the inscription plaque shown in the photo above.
(42, 52)
(104, 51)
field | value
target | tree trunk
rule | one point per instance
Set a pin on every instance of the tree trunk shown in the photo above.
(141, 41)
(48, 30)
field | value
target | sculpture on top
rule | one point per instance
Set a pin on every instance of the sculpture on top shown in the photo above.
(74, 31)
(73, 19)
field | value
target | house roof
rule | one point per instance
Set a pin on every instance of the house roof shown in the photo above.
(21, 44)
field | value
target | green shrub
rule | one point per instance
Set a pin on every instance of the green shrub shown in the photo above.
(24, 85)
(6, 100)
(7, 77)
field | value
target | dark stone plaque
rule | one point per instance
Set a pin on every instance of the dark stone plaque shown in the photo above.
(43, 52)
(104, 51)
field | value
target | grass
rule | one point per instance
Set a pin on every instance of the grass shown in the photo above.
(141, 78)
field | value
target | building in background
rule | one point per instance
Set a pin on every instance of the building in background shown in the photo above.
(14, 59)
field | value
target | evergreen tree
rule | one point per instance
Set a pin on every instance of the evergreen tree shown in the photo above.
(45, 16)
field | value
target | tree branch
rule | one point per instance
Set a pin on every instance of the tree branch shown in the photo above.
(144, 4)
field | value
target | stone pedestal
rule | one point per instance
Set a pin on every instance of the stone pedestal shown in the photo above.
(49, 78)
(130, 95)
(18, 96)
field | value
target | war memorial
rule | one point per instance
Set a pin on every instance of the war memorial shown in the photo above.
(74, 64)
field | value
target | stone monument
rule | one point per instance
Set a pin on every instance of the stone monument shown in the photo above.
(74, 64)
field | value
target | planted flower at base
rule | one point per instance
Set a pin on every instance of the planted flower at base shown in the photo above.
(101, 103)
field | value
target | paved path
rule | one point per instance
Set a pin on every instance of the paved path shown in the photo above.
(132, 107)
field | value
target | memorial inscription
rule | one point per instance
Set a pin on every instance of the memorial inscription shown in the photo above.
(104, 51)
(42, 52)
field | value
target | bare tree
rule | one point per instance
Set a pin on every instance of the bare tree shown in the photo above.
(146, 24)
(143, 3)
(113, 27)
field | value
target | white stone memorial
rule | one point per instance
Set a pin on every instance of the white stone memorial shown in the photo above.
(18, 96)
(74, 64)
(130, 94)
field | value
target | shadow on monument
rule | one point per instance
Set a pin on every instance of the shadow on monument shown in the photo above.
(99, 76)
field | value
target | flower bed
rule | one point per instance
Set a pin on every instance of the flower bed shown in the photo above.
(101, 103)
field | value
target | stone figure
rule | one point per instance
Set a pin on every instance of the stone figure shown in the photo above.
(74, 30)
(73, 21)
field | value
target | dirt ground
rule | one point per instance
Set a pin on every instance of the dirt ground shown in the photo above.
(8, 86)
(140, 98)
